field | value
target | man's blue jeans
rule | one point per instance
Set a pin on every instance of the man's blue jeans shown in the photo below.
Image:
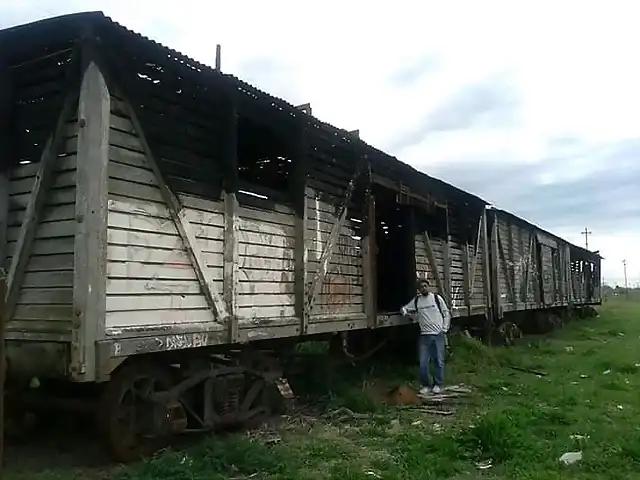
(431, 347)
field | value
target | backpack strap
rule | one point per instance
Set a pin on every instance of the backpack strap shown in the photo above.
(437, 299)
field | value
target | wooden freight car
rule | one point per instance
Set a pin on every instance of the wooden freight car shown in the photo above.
(168, 230)
(536, 276)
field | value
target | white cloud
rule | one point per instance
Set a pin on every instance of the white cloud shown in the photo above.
(571, 64)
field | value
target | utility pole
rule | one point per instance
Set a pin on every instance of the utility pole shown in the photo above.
(624, 264)
(586, 234)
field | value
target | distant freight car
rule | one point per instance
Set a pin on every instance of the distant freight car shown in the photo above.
(169, 231)
(534, 271)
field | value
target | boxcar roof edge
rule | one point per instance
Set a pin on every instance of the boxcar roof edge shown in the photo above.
(31, 35)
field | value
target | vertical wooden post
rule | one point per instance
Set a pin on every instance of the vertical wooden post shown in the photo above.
(5, 158)
(447, 260)
(466, 281)
(299, 197)
(369, 256)
(486, 275)
(231, 212)
(523, 281)
(512, 268)
(90, 251)
(3, 364)
(5, 162)
(495, 275)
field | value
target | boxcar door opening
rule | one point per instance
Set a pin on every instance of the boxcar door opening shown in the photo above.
(395, 272)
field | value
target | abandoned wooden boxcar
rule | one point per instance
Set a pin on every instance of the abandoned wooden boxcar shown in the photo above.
(153, 207)
(534, 271)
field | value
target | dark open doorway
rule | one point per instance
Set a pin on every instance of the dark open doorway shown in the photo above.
(395, 241)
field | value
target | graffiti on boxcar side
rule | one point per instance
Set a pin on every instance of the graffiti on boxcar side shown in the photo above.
(185, 340)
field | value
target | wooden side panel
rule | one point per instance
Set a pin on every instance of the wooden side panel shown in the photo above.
(266, 257)
(342, 291)
(456, 268)
(44, 306)
(477, 288)
(150, 279)
(517, 265)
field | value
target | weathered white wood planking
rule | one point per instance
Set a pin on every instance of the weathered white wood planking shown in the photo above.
(148, 266)
(342, 290)
(45, 300)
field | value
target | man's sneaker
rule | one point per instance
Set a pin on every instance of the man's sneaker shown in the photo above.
(425, 391)
(435, 390)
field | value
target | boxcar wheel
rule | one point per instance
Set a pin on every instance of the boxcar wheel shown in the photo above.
(127, 417)
(507, 333)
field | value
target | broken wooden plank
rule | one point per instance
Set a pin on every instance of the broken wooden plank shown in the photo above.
(185, 230)
(90, 250)
(37, 198)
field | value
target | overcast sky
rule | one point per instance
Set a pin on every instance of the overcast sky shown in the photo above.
(534, 106)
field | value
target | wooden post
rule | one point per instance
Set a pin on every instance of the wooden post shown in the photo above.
(299, 195)
(447, 261)
(3, 364)
(231, 214)
(512, 270)
(486, 275)
(369, 256)
(466, 282)
(495, 275)
(5, 158)
(90, 256)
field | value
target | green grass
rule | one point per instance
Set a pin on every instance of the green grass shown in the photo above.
(520, 422)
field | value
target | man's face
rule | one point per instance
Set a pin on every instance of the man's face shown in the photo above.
(423, 288)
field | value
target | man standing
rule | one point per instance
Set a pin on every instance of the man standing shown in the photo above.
(434, 319)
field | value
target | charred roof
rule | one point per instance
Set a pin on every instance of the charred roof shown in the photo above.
(23, 43)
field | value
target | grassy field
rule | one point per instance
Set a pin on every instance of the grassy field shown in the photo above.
(520, 423)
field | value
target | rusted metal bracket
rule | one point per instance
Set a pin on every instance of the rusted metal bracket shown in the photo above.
(319, 277)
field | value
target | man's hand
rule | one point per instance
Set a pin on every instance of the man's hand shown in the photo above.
(403, 311)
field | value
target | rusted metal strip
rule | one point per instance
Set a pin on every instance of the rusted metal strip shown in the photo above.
(319, 277)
